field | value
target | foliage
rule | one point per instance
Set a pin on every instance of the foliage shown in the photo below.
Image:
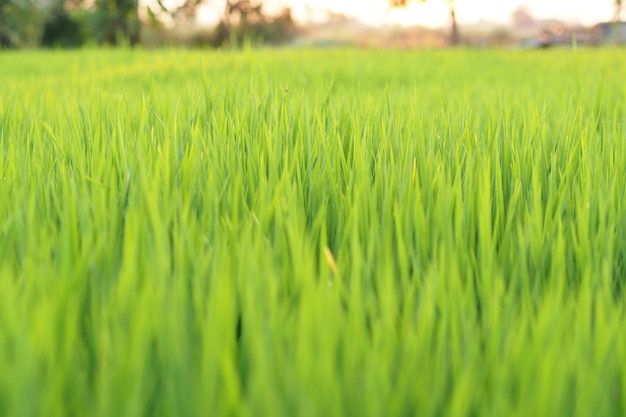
(70, 23)
(241, 21)
(113, 21)
(66, 23)
(247, 21)
(305, 232)
(21, 22)
(64, 29)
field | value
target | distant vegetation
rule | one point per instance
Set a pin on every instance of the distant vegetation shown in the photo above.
(71, 23)
(74, 23)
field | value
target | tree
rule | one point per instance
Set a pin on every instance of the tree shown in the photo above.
(454, 29)
(66, 23)
(618, 9)
(63, 27)
(237, 17)
(238, 20)
(247, 19)
(33, 23)
(180, 14)
(22, 22)
(115, 20)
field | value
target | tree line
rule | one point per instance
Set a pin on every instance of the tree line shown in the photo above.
(73, 23)
(70, 23)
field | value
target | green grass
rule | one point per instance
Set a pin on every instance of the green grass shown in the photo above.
(306, 233)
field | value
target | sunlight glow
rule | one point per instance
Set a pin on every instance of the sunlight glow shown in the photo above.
(435, 13)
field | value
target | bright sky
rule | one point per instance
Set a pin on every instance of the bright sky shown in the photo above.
(435, 12)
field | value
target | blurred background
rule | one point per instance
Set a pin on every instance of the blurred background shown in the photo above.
(318, 23)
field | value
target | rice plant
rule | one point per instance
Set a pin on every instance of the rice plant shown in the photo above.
(305, 233)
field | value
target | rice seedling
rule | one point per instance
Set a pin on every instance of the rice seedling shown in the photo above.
(360, 233)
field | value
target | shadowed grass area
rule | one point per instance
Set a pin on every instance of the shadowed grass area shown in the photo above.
(360, 233)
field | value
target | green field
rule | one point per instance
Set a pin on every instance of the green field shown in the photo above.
(313, 233)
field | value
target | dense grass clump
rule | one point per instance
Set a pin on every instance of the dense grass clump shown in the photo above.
(283, 233)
